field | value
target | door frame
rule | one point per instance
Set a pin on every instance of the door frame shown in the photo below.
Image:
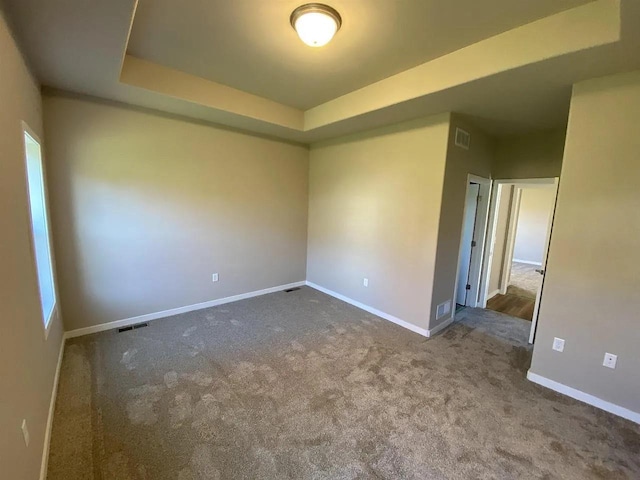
(482, 213)
(510, 240)
(543, 267)
(489, 247)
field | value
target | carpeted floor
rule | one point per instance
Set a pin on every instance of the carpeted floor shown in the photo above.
(524, 280)
(302, 386)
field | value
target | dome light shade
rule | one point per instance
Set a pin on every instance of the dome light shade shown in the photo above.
(315, 23)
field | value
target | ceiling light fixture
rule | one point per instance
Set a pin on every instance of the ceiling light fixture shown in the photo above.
(316, 23)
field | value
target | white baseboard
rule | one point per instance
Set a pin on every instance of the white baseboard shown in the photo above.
(584, 397)
(176, 311)
(493, 294)
(367, 308)
(528, 262)
(441, 326)
(52, 406)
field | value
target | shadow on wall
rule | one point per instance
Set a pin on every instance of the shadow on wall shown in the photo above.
(536, 204)
(460, 162)
(147, 207)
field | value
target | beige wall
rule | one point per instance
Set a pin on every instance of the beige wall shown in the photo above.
(459, 164)
(536, 204)
(500, 245)
(147, 207)
(535, 155)
(374, 206)
(27, 361)
(591, 294)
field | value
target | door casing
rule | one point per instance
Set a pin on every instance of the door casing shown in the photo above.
(477, 253)
(486, 264)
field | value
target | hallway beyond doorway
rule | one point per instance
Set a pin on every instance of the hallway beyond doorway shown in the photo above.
(513, 305)
(519, 300)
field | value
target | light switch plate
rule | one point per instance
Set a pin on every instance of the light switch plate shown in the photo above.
(365, 282)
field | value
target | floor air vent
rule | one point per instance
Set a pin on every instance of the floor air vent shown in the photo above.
(294, 289)
(443, 309)
(133, 327)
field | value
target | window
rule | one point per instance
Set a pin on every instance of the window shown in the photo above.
(40, 227)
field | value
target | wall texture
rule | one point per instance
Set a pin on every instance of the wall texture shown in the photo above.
(590, 295)
(536, 204)
(147, 207)
(535, 155)
(27, 360)
(374, 207)
(459, 164)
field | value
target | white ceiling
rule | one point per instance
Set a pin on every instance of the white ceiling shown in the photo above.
(517, 81)
(250, 45)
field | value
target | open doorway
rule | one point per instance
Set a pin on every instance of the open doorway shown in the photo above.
(519, 230)
(472, 241)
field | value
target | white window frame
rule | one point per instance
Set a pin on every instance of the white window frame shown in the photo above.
(46, 322)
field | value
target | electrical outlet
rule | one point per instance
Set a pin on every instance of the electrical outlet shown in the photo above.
(558, 344)
(365, 282)
(610, 360)
(25, 432)
(214, 277)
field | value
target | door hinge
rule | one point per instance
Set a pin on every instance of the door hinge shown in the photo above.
(473, 243)
(468, 287)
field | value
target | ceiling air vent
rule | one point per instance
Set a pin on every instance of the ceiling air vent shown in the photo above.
(463, 139)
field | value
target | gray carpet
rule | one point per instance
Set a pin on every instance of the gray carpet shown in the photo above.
(302, 386)
(524, 280)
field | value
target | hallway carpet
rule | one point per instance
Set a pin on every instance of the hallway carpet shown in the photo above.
(302, 386)
(524, 281)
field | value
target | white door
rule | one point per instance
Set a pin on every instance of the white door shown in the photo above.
(543, 268)
(468, 224)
